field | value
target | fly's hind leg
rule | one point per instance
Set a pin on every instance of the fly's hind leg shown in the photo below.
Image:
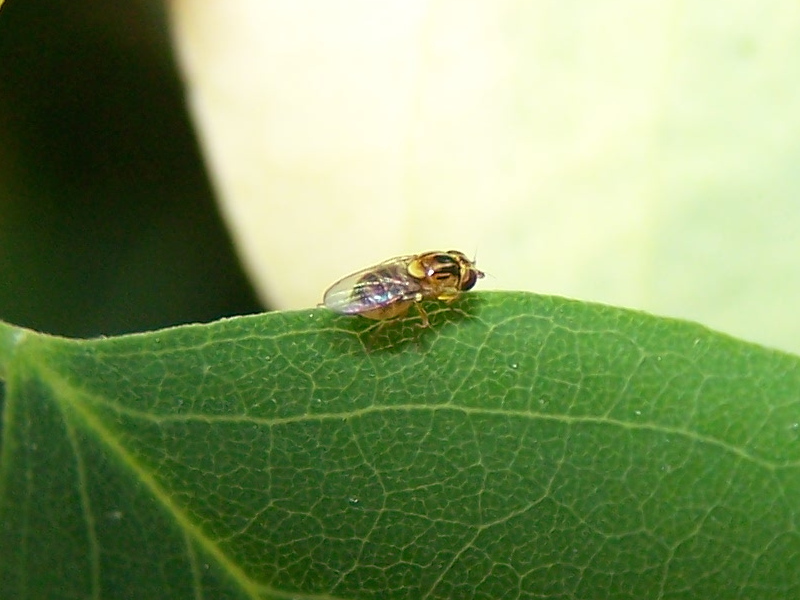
(383, 318)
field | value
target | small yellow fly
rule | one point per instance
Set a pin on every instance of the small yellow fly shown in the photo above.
(387, 290)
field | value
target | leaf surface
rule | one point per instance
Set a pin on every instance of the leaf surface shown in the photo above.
(522, 447)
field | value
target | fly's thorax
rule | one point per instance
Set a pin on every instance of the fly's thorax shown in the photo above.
(444, 274)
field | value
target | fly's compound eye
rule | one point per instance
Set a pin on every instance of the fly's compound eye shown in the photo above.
(470, 280)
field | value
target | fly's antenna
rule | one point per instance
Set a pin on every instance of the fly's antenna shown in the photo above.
(475, 260)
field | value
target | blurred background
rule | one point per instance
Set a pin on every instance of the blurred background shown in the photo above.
(636, 154)
(107, 220)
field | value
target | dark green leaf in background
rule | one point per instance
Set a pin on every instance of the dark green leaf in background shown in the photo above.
(523, 447)
(107, 220)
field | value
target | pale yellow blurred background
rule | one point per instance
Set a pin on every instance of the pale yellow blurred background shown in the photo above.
(638, 154)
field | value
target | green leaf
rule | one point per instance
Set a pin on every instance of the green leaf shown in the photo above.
(522, 447)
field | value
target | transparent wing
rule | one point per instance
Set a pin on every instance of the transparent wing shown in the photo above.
(373, 288)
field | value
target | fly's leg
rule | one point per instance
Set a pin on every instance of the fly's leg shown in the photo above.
(422, 315)
(374, 331)
(381, 325)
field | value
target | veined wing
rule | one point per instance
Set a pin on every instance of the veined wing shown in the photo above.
(373, 288)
